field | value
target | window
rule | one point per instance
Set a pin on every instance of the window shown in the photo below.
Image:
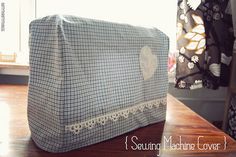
(9, 32)
(14, 32)
(17, 14)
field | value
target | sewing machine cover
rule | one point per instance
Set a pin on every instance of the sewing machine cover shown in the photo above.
(93, 80)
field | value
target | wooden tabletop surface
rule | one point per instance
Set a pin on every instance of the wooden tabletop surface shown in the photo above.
(184, 133)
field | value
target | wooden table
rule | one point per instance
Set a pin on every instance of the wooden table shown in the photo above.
(182, 126)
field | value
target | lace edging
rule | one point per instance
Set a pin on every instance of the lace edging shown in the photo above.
(114, 116)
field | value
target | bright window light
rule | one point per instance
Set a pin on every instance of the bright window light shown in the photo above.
(147, 13)
(18, 14)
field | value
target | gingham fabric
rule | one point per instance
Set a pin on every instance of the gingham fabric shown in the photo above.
(92, 80)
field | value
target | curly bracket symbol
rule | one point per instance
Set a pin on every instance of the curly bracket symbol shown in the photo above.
(126, 142)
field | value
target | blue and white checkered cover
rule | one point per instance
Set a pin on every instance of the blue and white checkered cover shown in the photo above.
(87, 80)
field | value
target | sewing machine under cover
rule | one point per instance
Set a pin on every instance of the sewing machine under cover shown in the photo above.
(92, 80)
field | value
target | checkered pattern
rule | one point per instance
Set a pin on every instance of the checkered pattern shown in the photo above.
(81, 69)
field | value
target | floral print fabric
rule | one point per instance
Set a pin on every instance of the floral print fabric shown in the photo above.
(204, 42)
(232, 117)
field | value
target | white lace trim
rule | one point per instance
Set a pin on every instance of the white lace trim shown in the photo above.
(114, 116)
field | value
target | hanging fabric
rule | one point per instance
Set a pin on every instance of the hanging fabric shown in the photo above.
(232, 117)
(231, 102)
(204, 43)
